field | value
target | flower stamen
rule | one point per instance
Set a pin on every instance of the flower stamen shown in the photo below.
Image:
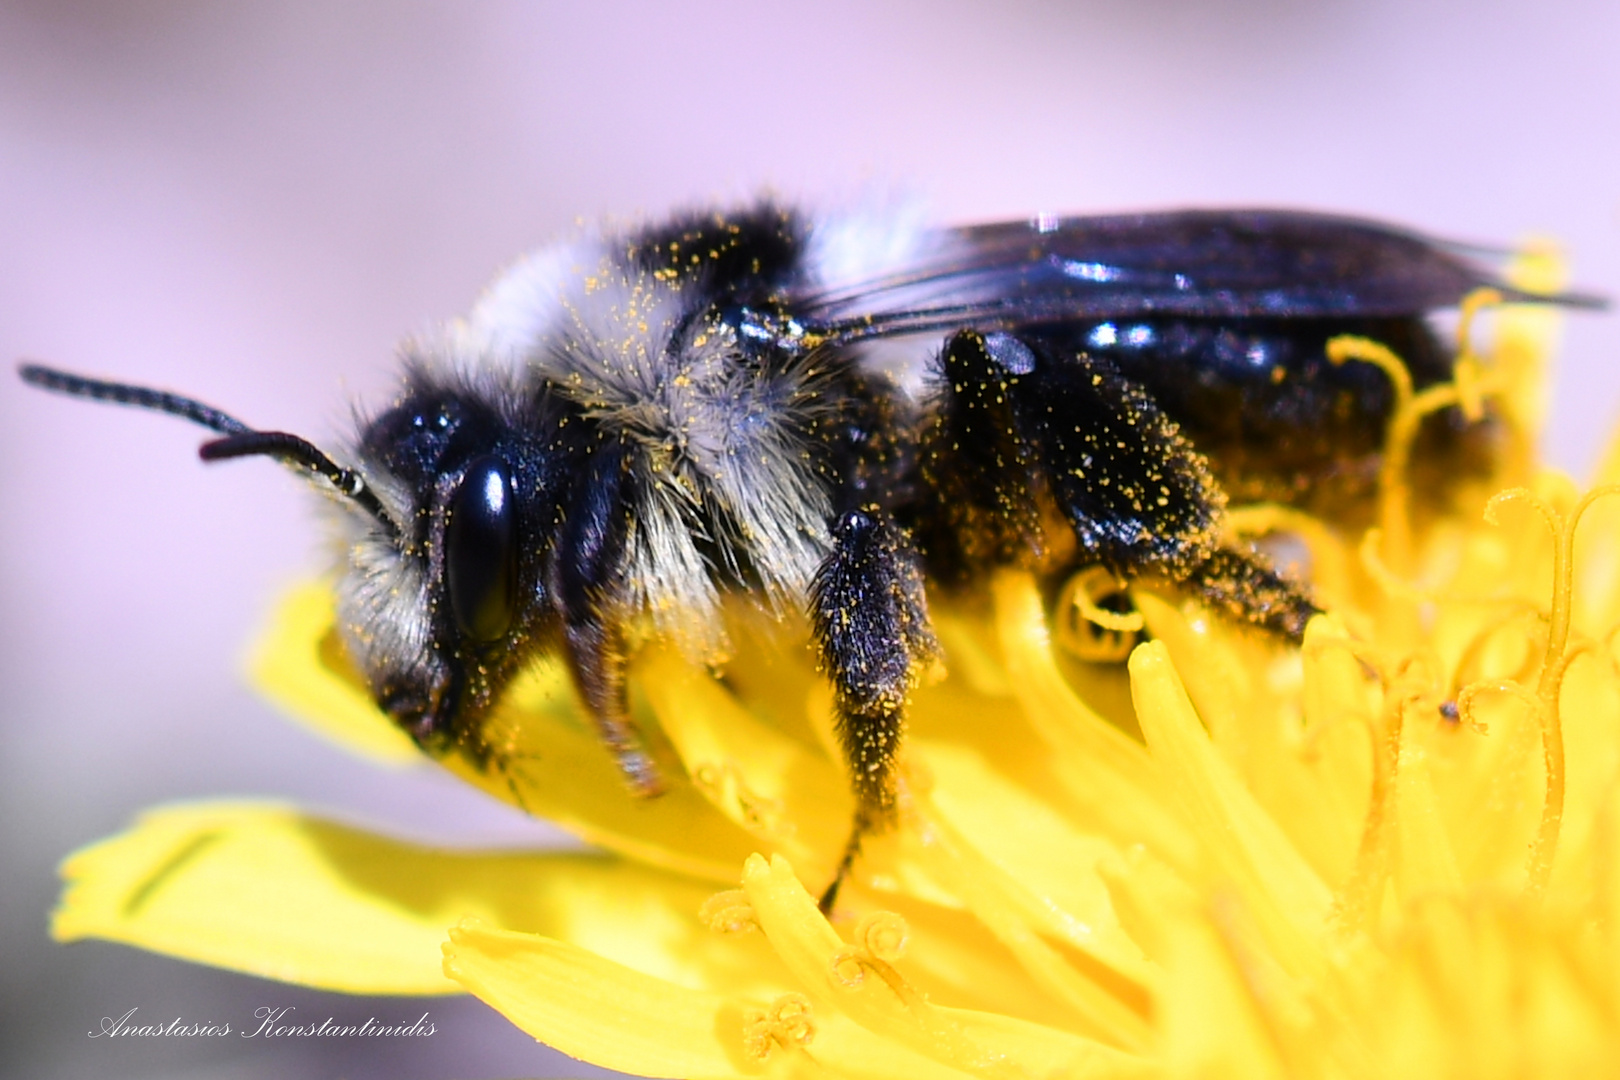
(1466, 373)
(788, 1022)
(1087, 629)
(1472, 655)
(1394, 496)
(729, 912)
(1358, 899)
(1554, 664)
(883, 934)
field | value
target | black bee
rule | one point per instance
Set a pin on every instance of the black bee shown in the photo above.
(825, 413)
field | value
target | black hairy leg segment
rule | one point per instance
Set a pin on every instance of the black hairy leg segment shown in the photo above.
(1036, 430)
(589, 585)
(870, 619)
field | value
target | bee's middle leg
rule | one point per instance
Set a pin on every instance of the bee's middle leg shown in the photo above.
(871, 625)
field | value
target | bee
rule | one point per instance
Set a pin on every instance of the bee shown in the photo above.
(826, 413)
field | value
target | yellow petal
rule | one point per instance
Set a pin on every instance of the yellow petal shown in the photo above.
(875, 995)
(614, 1016)
(557, 769)
(1247, 689)
(1208, 1024)
(956, 958)
(1108, 1001)
(1107, 777)
(266, 890)
(1212, 1027)
(1527, 334)
(1292, 903)
(1426, 862)
(261, 889)
(299, 665)
(777, 788)
(550, 763)
(1028, 841)
(599, 1011)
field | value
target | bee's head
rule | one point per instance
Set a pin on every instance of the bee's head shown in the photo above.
(447, 509)
(443, 595)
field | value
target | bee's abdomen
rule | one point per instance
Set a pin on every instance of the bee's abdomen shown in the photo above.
(1277, 420)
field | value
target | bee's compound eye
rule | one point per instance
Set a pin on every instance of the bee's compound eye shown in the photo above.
(480, 556)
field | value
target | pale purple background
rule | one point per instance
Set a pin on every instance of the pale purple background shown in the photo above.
(253, 205)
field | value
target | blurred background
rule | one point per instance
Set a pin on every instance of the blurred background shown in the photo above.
(253, 203)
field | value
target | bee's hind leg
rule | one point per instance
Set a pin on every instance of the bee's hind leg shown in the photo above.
(864, 824)
(870, 617)
(1038, 414)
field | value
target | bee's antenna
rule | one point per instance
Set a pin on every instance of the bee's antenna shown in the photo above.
(300, 454)
(65, 382)
(240, 440)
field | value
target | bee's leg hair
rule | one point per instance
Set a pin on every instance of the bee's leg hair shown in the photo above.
(1243, 586)
(1141, 499)
(587, 585)
(870, 617)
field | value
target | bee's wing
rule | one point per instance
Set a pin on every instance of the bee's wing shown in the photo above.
(1194, 264)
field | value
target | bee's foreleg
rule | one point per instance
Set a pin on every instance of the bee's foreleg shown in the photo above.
(587, 582)
(871, 627)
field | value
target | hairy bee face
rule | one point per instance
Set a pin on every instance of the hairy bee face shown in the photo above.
(443, 595)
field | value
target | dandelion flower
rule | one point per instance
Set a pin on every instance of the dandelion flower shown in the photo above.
(1392, 851)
